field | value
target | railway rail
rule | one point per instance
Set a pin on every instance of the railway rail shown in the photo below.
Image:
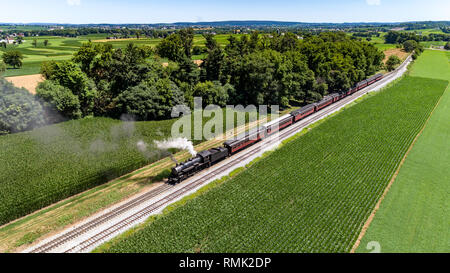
(178, 191)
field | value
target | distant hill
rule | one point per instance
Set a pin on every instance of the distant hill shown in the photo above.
(249, 23)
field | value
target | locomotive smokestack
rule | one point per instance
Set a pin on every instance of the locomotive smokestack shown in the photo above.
(173, 159)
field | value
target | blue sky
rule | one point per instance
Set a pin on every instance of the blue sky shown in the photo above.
(167, 11)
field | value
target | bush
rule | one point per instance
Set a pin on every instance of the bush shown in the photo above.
(2, 67)
(213, 93)
(197, 50)
(58, 100)
(13, 58)
(149, 101)
(447, 46)
(410, 45)
(393, 62)
(69, 75)
(48, 69)
(19, 110)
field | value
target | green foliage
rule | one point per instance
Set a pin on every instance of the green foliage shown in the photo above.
(69, 75)
(185, 71)
(267, 77)
(447, 46)
(150, 101)
(410, 45)
(397, 37)
(171, 48)
(393, 62)
(213, 93)
(210, 43)
(198, 50)
(48, 69)
(58, 100)
(212, 65)
(128, 67)
(2, 67)
(187, 38)
(314, 193)
(19, 110)
(13, 58)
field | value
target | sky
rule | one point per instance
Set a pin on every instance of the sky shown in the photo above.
(170, 11)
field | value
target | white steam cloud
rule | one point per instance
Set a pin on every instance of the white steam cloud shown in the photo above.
(176, 143)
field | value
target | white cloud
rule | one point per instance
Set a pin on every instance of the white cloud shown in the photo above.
(373, 2)
(74, 2)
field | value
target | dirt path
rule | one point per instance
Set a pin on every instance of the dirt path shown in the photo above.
(377, 206)
(399, 52)
(29, 82)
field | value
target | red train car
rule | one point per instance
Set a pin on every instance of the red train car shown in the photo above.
(303, 112)
(245, 140)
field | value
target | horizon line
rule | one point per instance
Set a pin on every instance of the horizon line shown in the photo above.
(225, 21)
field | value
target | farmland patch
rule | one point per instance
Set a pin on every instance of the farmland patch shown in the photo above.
(312, 195)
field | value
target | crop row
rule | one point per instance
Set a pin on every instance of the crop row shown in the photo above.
(312, 195)
(49, 164)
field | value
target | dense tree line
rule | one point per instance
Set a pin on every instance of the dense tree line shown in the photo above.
(447, 46)
(124, 32)
(398, 37)
(276, 68)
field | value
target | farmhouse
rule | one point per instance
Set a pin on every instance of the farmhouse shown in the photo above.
(8, 40)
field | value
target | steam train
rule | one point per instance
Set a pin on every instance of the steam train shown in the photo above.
(208, 158)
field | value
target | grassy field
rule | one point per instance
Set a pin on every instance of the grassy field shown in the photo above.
(428, 44)
(60, 48)
(312, 195)
(19, 234)
(51, 163)
(432, 64)
(414, 216)
(384, 47)
(427, 31)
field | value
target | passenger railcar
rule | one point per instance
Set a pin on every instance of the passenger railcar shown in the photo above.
(245, 140)
(278, 124)
(210, 157)
(323, 103)
(303, 112)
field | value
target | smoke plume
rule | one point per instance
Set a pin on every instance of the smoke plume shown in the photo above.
(176, 143)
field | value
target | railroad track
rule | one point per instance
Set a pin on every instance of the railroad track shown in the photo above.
(187, 186)
(100, 220)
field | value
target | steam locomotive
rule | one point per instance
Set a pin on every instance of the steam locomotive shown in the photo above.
(208, 158)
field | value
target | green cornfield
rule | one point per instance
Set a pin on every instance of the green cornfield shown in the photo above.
(314, 194)
(46, 165)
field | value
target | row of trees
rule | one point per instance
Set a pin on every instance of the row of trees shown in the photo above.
(110, 31)
(399, 37)
(256, 69)
(276, 69)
